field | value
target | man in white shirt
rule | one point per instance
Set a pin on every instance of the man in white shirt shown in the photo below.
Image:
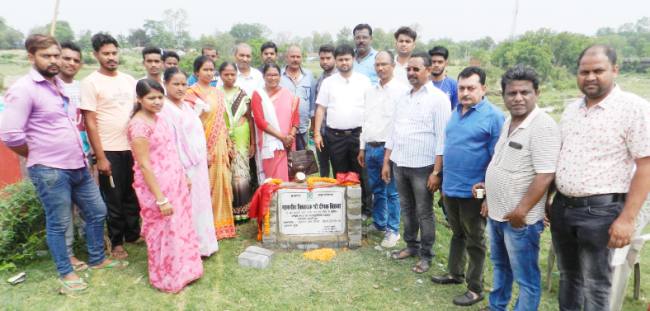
(380, 101)
(414, 151)
(342, 97)
(249, 79)
(404, 44)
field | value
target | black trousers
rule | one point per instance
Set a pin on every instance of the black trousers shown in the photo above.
(123, 217)
(343, 150)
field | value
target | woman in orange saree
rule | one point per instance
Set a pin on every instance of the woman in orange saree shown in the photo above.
(211, 101)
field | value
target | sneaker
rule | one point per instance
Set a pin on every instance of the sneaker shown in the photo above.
(390, 239)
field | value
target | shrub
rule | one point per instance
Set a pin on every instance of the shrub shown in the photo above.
(22, 225)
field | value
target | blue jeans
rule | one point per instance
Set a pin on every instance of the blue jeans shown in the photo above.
(385, 210)
(57, 189)
(515, 253)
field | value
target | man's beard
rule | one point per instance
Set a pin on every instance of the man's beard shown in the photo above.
(47, 73)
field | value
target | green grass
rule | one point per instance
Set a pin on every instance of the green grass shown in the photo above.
(361, 279)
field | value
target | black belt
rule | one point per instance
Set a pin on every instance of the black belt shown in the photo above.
(592, 200)
(336, 132)
(376, 144)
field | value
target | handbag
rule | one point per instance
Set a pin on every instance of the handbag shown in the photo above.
(302, 161)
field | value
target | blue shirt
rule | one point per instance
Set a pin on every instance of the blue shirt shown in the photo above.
(366, 66)
(192, 80)
(303, 90)
(450, 87)
(469, 146)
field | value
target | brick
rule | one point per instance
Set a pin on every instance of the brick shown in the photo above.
(252, 260)
(259, 250)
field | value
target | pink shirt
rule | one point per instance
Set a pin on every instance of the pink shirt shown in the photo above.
(600, 144)
(39, 114)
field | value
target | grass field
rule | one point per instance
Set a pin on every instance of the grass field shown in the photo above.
(361, 279)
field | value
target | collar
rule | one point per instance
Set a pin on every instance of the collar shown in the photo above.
(529, 119)
(38, 78)
(388, 85)
(370, 54)
(605, 102)
(482, 105)
(426, 88)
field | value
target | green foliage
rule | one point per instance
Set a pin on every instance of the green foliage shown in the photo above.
(22, 225)
(511, 53)
(245, 32)
(63, 31)
(10, 38)
(344, 36)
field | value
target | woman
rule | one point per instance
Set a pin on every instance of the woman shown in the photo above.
(240, 129)
(190, 142)
(162, 188)
(216, 135)
(275, 110)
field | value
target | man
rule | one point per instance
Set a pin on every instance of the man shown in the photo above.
(269, 53)
(404, 44)
(153, 64)
(364, 61)
(602, 179)
(327, 63)
(471, 135)
(107, 99)
(299, 81)
(209, 51)
(249, 79)
(439, 78)
(415, 147)
(341, 96)
(70, 65)
(380, 101)
(39, 124)
(170, 59)
(516, 183)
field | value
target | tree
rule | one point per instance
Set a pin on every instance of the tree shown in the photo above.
(158, 33)
(318, 40)
(243, 32)
(344, 36)
(63, 31)
(10, 38)
(382, 40)
(176, 23)
(138, 37)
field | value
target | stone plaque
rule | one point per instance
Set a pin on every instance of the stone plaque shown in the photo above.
(311, 213)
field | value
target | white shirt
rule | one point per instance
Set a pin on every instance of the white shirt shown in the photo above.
(344, 100)
(380, 105)
(418, 127)
(399, 72)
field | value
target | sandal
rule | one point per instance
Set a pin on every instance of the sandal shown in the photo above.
(119, 255)
(422, 266)
(72, 286)
(402, 254)
(114, 264)
(80, 266)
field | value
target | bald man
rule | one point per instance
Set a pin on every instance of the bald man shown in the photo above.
(249, 79)
(300, 82)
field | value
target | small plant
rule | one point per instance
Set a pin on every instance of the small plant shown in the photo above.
(22, 225)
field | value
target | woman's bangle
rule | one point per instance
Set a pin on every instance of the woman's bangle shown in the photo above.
(163, 202)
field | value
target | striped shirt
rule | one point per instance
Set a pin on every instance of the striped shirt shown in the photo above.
(532, 148)
(418, 127)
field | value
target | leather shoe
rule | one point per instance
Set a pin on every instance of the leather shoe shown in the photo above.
(445, 279)
(468, 298)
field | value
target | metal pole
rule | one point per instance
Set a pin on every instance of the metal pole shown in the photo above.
(56, 13)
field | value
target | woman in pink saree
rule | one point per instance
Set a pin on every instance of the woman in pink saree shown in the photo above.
(161, 184)
(275, 111)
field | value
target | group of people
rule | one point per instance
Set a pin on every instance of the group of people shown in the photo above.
(178, 168)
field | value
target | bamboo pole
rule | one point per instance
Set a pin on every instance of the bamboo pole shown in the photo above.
(54, 18)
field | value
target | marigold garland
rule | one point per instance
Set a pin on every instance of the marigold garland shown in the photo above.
(312, 180)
